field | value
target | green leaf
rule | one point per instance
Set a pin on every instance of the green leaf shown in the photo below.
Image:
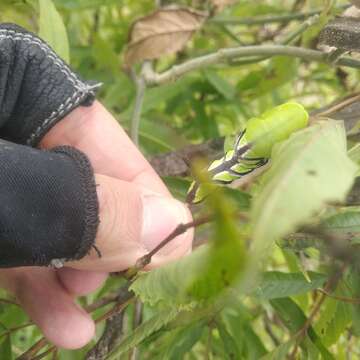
(183, 341)
(5, 344)
(240, 198)
(5, 348)
(167, 285)
(142, 332)
(308, 170)
(221, 85)
(294, 319)
(353, 283)
(354, 153)
(274, 284)
(280, 71)
(238, 321)
(230, 346)
(84, 4)
(52, 29)
(205, 273)
(254, 347)
(280, 352)
(339, 318)
(345, 223)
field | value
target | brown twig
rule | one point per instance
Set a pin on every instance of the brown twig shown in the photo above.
(330, 285)
(15, 328)
(122, 301)
(112, 334)
(345, 299)
(31, 353)
(8, 302)
(339, 106)
(52, 349)
(106, 300)
(337, 246)
(180, 229)
(270, 332)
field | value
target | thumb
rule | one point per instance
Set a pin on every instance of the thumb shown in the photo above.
(133, 221)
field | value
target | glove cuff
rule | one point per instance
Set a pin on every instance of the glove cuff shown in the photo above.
(49, 211)
(87, 186)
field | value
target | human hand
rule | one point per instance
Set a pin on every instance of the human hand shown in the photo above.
(126, 179)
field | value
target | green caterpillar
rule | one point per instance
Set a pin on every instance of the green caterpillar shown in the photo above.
(253, 146)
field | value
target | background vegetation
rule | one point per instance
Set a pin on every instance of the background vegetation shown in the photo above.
(280, 278)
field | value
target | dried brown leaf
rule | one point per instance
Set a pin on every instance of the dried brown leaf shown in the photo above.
(164, 32)
(356, 3)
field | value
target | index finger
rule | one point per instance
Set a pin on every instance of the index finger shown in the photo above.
(94, 131)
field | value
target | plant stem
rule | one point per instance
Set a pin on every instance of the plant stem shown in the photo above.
(330, 286)
(344, 299)
(300, 30)
(138, 318)
(8, 302)
(136, 116)
(339, 106)
(51, 350)
(31, 353)
(288, 39)
(224, 55)
(180, 229)
(262, 20)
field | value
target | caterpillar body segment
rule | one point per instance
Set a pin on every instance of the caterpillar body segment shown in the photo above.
(253, 147)
(274, 126)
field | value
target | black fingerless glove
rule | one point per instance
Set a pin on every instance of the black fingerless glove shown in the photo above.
(48, 205)
(48, 201)
(37, 89)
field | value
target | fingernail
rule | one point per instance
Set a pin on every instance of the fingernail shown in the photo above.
(161, 216)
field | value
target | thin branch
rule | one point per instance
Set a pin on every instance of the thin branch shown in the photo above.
(340, 106)
(231, 35)
(15, 328)
(289, 38)
(136, 116)
(31, 353)
(8, 302)
(208, 344)
(345, 299)
(106, 300)
(141, 85)
(270, 332)
(138, 318)
(286, 40)
(52, 349)
(330, 286)
(180, 229)
(224, 55)
(337, 246)
(125, 297)
(262, 20)
(110, 337)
